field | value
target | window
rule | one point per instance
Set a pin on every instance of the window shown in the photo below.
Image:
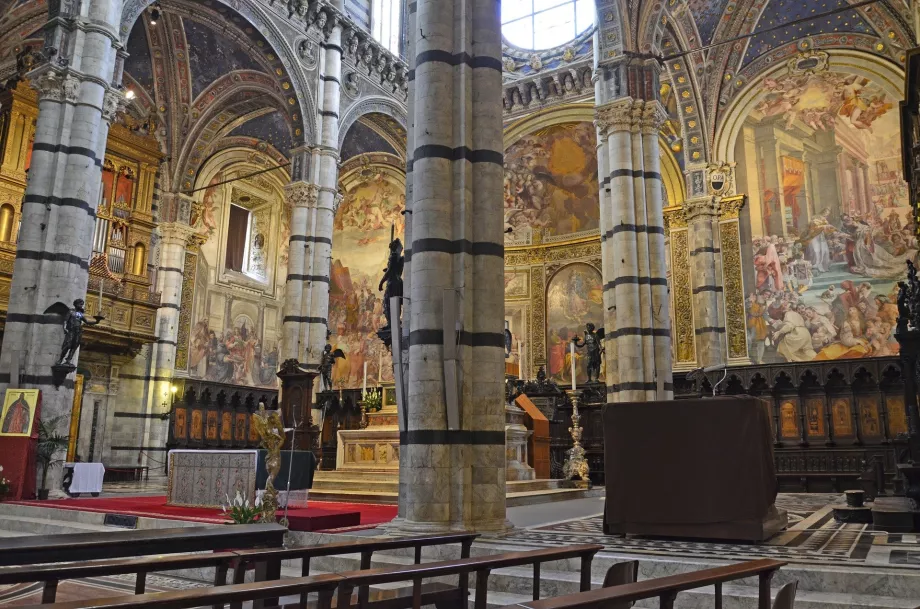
(385, 23)
(237, 237)
(544, 24)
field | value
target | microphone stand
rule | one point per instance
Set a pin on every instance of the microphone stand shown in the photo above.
(287, 497)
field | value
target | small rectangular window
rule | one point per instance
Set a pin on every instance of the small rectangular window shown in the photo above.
(237, 233)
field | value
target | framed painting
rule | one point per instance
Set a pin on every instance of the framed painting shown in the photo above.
(18, 415)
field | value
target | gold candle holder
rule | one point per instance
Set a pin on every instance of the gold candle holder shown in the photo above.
(575, 464)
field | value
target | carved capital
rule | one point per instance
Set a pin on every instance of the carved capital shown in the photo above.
(653, 117)
(113, 103)
(701, 208)
(730, 207)
(302, 194)
(337, 202)
(177, 233)
(674, 218)
(622, 115)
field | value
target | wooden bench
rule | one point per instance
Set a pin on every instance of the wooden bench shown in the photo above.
(267, 561)
(31, 550)
(257, 592)
(480, 565)
(665, 588)
(273, 557)
(265, 593)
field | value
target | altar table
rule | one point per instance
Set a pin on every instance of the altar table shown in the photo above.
(206, 478)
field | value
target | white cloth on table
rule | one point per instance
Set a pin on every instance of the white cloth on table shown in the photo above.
(87, 478)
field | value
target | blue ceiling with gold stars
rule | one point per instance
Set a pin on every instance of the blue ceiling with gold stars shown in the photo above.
(271, 127)
(779, 12)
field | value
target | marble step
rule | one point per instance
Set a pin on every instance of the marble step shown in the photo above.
(62, 521)
(357, 496)
(45, 526)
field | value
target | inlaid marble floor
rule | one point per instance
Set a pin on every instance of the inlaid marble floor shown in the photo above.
(20, 595)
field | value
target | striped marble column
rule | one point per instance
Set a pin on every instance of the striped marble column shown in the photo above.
(455, 474)
(76, 105)
(637, 316)
(702, 222)
(302, 197)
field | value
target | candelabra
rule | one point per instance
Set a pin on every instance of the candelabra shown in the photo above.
(575, 465)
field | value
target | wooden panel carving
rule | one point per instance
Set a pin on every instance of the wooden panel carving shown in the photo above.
(897, 415)
(735, 317)
(185, 310)
(789, 419)
(814, 417)
(842, 416)
(685, 345)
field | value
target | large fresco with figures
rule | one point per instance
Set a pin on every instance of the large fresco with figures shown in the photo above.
(551, 180)
(819, 156)
(370, 212)
(574, 298)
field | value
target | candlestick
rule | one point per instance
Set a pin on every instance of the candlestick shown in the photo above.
(575, 465)
(101, 283)
(572, 352)
(364, 383)
(520, 360)
(380, 367)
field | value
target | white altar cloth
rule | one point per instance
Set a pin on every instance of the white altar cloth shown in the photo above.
(87, 477)
(206, 478)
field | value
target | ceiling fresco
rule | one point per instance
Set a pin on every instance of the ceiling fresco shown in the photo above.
(272, 128)
(779, 12)
(362, 139)
(138, 64)
(707, 13)
(211, 55)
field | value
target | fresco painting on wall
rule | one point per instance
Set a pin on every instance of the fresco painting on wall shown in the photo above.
(234, 355)
(830, 220)
(551, 180)
(574, 298)
(360, 246)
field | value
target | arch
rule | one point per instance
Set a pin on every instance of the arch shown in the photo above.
(563, 320)
(139, 263)
(884, 73)
(370, 105)
(7, 217)
(256, 15)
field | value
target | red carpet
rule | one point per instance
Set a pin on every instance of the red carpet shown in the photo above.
(320, 515)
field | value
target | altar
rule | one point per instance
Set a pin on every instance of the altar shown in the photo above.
(372, 448)
(205, 478)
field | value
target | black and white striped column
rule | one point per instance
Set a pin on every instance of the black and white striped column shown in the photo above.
(76, 104)
(637, 316)
(302, 197)
(454, 477)
(706, 278)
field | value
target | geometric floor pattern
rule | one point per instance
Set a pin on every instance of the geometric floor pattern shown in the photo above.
(812, 536)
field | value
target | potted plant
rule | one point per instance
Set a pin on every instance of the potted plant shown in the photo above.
(241, 511)
(50, 443)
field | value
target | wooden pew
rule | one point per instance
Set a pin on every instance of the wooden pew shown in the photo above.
(30, 550)
(480, 565)
(52, 574)
(323, 585)
(273, 557)
(666, 588)
(268, 562)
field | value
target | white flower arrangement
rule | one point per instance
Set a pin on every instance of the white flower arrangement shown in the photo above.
(241, 511)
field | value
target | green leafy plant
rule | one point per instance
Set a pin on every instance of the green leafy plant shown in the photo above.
(372, 400)
(50, 443)
(240, 511)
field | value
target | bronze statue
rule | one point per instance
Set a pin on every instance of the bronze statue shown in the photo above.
(326, 362)
(73, 330)
(267, 424)
(593, 349)
(392, 276)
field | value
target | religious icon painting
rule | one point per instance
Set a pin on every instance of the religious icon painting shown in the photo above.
(18, 414)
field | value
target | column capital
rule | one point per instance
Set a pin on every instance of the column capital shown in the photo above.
(113, 102)
(622, 115)
(56, 85)
(674, 218)
(302, 194)
(730, 207)
(701, 208)
(653, 117)
(177, 233)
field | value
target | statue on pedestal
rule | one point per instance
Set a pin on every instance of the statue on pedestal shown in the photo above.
(73, 330)
(326, 363)
(593, 349)
(392, 277)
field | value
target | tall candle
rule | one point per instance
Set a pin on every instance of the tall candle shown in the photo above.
(364, 384)
(572, 352)
(520, 360)
(380, 368)
(101, 283)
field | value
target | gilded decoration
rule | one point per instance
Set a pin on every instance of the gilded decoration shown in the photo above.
(185, 310)
(732, 281)
(674, 218)
(685, 345)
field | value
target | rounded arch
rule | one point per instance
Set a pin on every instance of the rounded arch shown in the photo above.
(884, 73)
(256, 16)
(229, 158)
(375, 104)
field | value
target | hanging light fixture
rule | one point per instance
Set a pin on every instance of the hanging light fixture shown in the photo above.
(154, 15)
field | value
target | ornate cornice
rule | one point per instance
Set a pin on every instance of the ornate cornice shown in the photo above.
(730, 207)
(701, 208)
(569, 83)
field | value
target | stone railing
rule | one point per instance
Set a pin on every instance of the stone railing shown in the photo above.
(570, 83)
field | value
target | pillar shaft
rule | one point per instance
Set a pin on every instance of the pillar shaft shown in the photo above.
(455, 474)
(76, 105)
(637, 316)
(705, 252)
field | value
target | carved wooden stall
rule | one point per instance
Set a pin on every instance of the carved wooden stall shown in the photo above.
(214, 415)
(341, 411)
(832, 421)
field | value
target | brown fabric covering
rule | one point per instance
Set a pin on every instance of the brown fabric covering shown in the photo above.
(689, 468)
